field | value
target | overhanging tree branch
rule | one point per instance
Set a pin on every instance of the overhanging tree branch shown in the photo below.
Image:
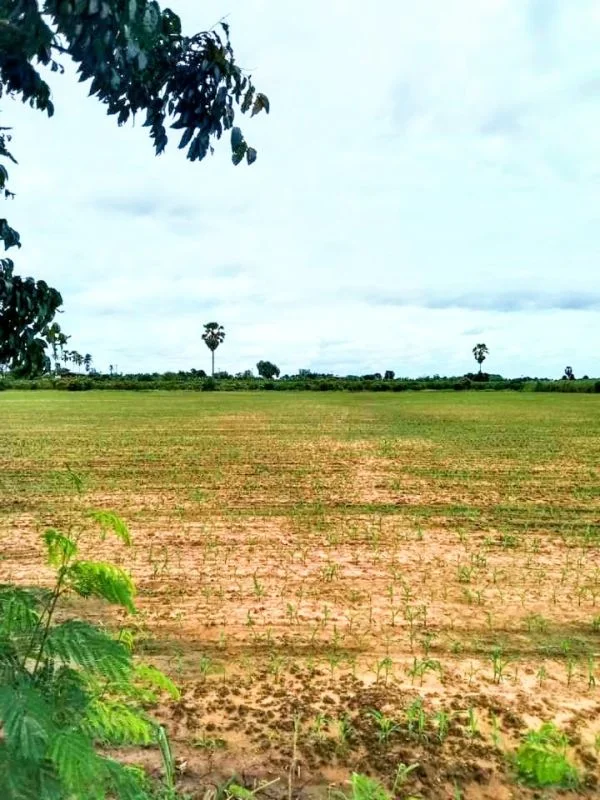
(137, 60)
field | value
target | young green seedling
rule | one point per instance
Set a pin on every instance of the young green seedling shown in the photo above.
(386, 726)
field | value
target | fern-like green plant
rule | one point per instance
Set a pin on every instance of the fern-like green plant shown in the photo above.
(362, 787)
(541, 759)
(68, 686)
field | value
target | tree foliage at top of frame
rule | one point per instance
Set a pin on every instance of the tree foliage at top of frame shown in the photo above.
(138, 61)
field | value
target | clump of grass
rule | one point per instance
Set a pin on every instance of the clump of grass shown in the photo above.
(541, 759)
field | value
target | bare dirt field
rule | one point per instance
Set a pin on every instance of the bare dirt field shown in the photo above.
(339, 583)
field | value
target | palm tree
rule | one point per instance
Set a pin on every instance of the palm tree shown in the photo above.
(87, 362)
(66, 357)
(57, 340)
(213, 336)
(480, 351)
(77, 359)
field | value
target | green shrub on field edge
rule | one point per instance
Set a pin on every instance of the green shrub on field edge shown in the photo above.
(68, 686)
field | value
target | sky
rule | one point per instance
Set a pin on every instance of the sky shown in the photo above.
(428, 178)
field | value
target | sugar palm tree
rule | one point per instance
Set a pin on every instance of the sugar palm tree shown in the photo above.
(57, 340)
(77, 359)
(213, 336)
(480, 351)
(65, 356)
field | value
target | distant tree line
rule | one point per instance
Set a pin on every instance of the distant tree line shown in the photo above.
(269, 376)
(303, 380)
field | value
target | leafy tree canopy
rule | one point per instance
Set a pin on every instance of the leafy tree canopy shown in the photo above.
(266, 369)
(137, 61)
(480, 351)
(214, 335)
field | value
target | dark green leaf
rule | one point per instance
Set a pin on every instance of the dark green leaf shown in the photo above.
(261, 102)
(237, 139)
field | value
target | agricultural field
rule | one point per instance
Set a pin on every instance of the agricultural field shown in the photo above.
(404, 586)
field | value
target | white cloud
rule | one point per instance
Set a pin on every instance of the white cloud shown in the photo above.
(428, 150)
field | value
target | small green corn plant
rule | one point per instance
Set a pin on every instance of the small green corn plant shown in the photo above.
(496, 732)
(403, 772)
(591, 671)
(257, 587)
(276, 665)
(499, 663)
(334, 659)
(67, 685)
(472, 723)
(385, 665)
(318, 729)
(541, 759)
(386, 726)
(427, 640)
(421, 666)
(205, 666)
(442, 721)
(345, 732)
(416, 718)
(542, 674)
(570, 668)
(464, 573)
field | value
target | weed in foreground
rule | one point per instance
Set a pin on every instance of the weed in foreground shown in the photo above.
(541, 759)
(364, 788)
(66, 686)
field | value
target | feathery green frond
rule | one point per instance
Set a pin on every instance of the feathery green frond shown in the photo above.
(49, 784)
(97, 579)
(10, 666)
(79, 642)
(127, 638)
(60, 548)
(26, 721)
(111, 523)
(154, 678)
(112, 722)
(77, 764)
(126, 781)
(18, 611)
(18, 780)
(70, 692)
